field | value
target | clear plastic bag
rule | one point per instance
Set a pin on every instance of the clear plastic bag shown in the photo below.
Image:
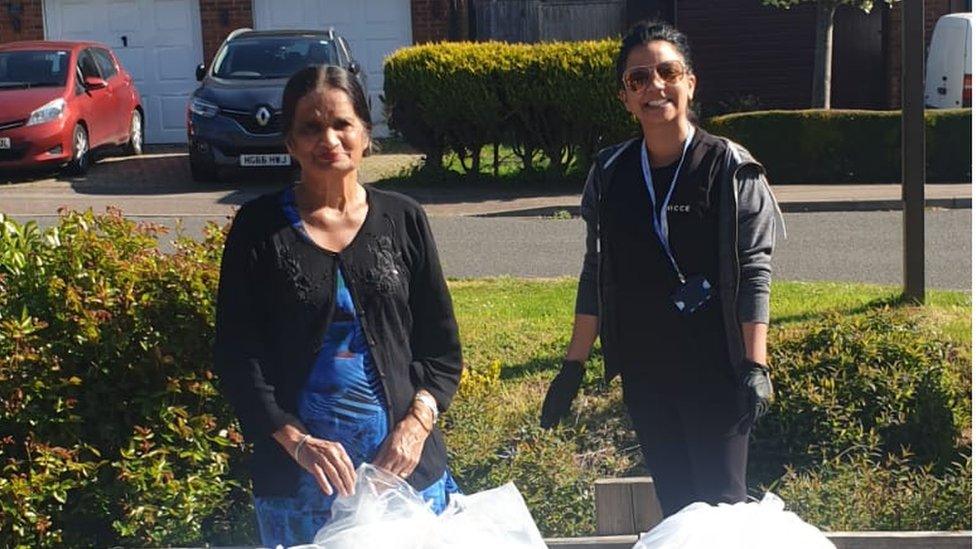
(386, 513)
(762, 525)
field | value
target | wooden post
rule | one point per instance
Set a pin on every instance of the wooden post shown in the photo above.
(913, 147)
(626, 506)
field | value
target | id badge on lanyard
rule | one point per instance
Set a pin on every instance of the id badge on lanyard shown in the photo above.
(692, 292)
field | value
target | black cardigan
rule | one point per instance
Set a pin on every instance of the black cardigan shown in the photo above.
(276, 297)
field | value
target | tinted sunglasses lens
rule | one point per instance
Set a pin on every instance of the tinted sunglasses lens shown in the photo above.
(670, 71)
(637, 78)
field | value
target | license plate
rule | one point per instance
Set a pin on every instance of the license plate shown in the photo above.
(265, 160)
(4, 142)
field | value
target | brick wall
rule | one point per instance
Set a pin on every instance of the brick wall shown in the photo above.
(218, 18)
(31, 21)
(933, 10)
(769, 66)
(431, 19)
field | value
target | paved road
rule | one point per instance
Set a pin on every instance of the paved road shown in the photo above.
(851, 246)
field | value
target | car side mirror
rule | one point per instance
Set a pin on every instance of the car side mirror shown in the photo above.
(201, 72)
(95, 83)
(354, 67)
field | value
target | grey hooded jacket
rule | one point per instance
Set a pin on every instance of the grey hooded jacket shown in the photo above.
(747, 214)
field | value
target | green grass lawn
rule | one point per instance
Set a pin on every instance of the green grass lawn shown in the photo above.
(525, 324)
(514, 333)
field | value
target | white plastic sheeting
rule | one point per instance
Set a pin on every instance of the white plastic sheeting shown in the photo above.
(386, 513)
(762, 525)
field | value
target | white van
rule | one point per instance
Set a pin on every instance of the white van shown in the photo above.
(948, 72)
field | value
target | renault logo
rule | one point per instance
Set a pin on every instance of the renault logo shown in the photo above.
(263, 116)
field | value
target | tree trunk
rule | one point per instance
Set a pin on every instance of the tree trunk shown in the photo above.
(495, 162)
(823, 54)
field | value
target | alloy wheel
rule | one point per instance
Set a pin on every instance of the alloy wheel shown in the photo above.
(135, 134)
(81, 147)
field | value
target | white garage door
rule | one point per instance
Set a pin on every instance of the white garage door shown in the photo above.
(373, 28)
(157, 41)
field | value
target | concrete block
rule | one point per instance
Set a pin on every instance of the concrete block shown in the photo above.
(901, 540)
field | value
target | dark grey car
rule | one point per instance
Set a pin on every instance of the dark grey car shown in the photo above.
(234, 117)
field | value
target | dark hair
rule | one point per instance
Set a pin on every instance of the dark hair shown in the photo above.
(646, 32)
(317, 77)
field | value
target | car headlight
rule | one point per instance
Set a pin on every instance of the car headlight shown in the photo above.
(48, 112)
(203, 108)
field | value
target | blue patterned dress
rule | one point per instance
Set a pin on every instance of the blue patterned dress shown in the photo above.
(342, 401)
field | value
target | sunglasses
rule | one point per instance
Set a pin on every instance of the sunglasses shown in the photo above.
(637, 79)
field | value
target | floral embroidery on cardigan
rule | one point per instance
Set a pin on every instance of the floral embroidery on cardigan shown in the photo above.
(387, 270)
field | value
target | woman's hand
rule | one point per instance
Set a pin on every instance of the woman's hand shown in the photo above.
(325, 460)
(400, 452)
(329, 464)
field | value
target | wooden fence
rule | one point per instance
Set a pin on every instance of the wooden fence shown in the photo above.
(542, 21)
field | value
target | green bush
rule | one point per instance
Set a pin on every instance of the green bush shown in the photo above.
(869, 492)
(555, 104)
(113, 432)
(493, 433)
(875, 380)
(557, 100)
(848, 146)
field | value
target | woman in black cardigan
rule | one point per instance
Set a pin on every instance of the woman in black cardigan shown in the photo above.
(336, 338)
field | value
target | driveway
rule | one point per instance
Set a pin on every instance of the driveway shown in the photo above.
(157, 183)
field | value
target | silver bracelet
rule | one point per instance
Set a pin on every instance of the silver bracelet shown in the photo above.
(298, 447)
(429, 402)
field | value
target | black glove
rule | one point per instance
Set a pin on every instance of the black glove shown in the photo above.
(759, 389)
(561, 393)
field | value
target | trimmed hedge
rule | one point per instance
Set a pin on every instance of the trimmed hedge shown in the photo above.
(555, 104)
(849, 146)
(554, 100)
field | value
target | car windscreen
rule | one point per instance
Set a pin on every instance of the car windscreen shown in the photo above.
(273, 57)
(33, 69)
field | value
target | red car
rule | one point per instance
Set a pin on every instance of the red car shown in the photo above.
(61, 100)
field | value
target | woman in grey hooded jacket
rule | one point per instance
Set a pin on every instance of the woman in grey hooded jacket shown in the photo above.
(675, 281)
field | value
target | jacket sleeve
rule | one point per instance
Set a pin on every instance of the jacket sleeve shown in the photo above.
(434, 341)
(756, 239)
(586, 291)
(238, 349)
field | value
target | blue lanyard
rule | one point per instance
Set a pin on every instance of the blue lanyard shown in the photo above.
(660, 218)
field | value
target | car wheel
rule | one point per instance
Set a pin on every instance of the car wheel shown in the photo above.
(81, 155)
(137, 134)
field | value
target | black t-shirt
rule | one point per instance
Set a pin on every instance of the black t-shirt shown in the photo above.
(655, 339)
